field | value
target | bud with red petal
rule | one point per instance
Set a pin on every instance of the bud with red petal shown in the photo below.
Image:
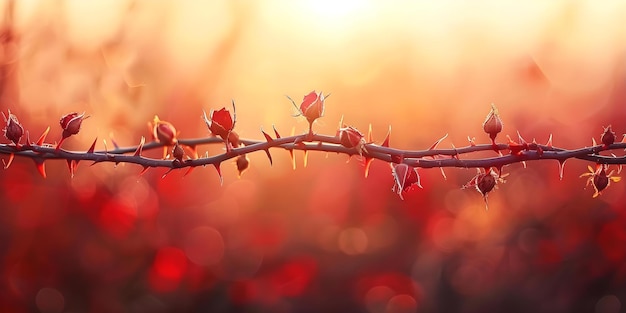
(493, 123)
(220, 123)
(163, 131)
(485, 182)
(312, 106)
(350, 137)
(405, 177)
(70, 123)
(608, 136)
(14, 130)
(242, 163)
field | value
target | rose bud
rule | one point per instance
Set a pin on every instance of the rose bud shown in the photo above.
(71, 123)
(493, 123)
(178, 152)
(163, 131)
(14, 130)
(312, 106)
(599, 179)
(404, 178)
(220, 123)
(608, 136)
(350, 137)
(486, 182)
(242, 164)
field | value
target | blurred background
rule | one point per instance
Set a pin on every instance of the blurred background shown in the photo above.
(320, 238)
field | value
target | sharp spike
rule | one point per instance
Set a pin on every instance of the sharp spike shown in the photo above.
(268, 138)
(306, 158)
(561, 165)
(549, 143)
(269, 156)
(368, 162)
(386, 141)
(443, 173)
(41, 167)
(369, 134)
(189, 170)
(593, 142)
(140, 146)
(434, 146)
(12, 156)
(93, 146)
(145, 169)
(43, 137)
(219, 172)
(293, 159)
(168, 171)
(71, 164)
(276, 132)
(29, 144)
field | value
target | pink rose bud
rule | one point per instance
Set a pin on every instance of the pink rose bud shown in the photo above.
(493, 123)
(164, 131)
(312, 106)
(350, 137)
(14, 130)
(71, 123)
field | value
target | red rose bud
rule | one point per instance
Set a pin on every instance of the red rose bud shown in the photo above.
(242, 163)
(220, 123)
(350, 137)
(164, 131)
(312, 106)
(404, 178)
(71, 123)
(608, 136)
(485, 182)
(14, 130)
(600, 180)
(493, 123)
(178, 152)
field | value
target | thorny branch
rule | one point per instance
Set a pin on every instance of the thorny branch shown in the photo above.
(349, 141)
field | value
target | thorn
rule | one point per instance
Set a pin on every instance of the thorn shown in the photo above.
(43, 137)
(524, 164)
(29, 144)
(11, 156)
(71, 164)
(472, 141)
(549, 143)
(189, 170)
(561, 165)
(386, 141)
(268, 138)
(368, 162)
(41, 168)
(593, 142)
(443, 174)
(369, 134)
(341, 122)
(276, 132)
(437, 142)
(168, 171)
(93, 146)
(140, 147)
(115, 145)
(293, 159)
(145, 169)
(219, 172)
(521, 140)
(306, 158)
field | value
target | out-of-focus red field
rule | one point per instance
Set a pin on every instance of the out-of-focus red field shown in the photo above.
(320, 238)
